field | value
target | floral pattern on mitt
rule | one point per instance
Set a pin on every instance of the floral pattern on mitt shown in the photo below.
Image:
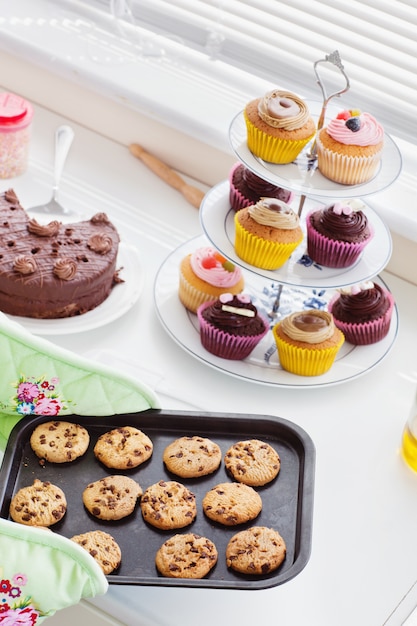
(15, 607)
(38, 396)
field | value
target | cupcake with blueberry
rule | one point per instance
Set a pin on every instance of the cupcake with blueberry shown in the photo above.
(349, 148)
(363, 312)
(338, 233)
(204, 275)
(246, 188)
(231, 326)
(307, 342)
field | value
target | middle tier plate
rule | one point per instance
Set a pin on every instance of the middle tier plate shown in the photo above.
(217, 221)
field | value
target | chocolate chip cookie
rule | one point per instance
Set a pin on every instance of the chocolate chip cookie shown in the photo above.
(232, 503)
(102, 547)
(257, 550)
(191, 457)
(186, 556)
(252, 462)
(112, 497)
(40, 504)
(59, 442)
(168, 505)
(123, 448)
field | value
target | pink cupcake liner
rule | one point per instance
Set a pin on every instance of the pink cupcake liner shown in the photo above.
(365, 333)
(332, 253)
(223, 344)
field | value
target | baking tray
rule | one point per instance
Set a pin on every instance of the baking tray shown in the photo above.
(287, 501)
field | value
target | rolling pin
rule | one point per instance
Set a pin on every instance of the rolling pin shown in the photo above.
(192, 194)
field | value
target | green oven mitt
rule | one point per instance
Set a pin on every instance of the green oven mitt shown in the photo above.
(40, 378)
(42, 572)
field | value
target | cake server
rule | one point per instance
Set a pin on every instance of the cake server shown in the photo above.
(64, 136)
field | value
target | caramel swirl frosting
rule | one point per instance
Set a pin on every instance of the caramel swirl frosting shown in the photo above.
(275, 213)
(100, 243)
(24, 264)
(283, 109)
(43, 230)
(65, 268)
(309, 326)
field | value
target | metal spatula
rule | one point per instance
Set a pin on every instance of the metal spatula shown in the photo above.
(53, 209)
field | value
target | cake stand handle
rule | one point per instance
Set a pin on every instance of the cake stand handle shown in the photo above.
(334, 59)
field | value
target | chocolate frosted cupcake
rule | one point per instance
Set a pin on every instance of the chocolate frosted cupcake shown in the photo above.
(231, 326)
(247, 188)
(363, 312)
(337, 234)
(307, 342)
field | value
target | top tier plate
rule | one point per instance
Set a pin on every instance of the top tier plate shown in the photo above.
(303, 177)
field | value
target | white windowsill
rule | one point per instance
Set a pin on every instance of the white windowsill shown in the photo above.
(181, 114)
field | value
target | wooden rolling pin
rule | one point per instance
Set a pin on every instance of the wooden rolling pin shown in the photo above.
(193, 195)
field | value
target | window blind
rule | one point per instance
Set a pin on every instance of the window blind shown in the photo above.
(280, 40)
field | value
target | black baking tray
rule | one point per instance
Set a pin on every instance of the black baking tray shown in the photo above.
(287, 501)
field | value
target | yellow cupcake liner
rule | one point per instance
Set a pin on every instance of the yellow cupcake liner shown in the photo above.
(344, 169)
(272, 149)
(305, 361)
(267, 255)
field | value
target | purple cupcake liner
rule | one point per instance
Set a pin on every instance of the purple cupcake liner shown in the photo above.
(365, 333)
(223, 344)
(332, 253)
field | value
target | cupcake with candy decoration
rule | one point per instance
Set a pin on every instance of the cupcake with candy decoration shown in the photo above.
(349, 148)
(278, 126)
(337, 234)
(363, 312)
(246, 188)
(205, 275)
(307, 342)
(267, 233)
(231, 327)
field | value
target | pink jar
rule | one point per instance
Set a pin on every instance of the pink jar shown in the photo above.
(16, 115)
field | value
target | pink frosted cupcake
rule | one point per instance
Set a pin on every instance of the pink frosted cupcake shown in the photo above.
(204, 275)
(337, 234)
(246, 188)
(349, 148)
(363, 313)
(231, 326)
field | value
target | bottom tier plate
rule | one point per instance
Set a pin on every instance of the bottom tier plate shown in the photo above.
(262, 366)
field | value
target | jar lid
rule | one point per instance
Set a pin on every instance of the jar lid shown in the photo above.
(15, 112)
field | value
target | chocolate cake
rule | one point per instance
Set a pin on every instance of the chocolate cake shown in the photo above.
(54, 270)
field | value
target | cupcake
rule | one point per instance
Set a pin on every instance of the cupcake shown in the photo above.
(278, 126)
(363, 312)
(349, 148)
(204, 275)
(307, 342)
(231, 326)
(266, 233)
(337, 234)
(246, 188)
